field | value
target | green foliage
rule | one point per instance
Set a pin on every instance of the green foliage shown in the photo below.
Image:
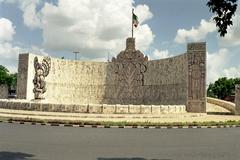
(223, 10)
(222, 88)
(7, 78)
(4, 75)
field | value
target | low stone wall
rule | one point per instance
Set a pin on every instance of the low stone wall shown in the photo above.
(3, 91)
(225, 104)
(237, 98)
(91, 108)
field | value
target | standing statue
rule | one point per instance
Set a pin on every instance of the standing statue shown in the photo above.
(41, 71)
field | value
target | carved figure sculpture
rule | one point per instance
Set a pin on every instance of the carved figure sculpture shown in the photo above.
(41, 71)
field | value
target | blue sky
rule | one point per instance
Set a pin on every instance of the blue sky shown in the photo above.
(98, 27)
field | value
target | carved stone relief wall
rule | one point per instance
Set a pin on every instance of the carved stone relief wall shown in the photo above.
(237, 98)
(129, 70)
(196, 77)
(129, 79)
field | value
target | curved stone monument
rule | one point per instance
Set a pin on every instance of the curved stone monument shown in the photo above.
(129, 79)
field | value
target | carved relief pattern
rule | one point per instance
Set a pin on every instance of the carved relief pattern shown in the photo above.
(196, 88)
(196, 46)
(130, 70)
(41, 71)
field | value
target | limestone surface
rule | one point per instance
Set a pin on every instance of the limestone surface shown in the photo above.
(129, 79)
(237, 98)
(3, 91)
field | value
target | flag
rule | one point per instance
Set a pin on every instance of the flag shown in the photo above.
(135, 20)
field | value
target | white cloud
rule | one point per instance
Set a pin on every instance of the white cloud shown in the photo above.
(143, 12)
(94, 27)
(232, 38)
(216, 63)
(160, 54)
(9, 52)
(232, 72)
(196, 33)
(31, 17)
(6, 30)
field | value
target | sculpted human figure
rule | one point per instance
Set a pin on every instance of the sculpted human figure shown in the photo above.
(41, 71)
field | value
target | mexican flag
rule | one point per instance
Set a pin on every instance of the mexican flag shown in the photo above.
(135, 20)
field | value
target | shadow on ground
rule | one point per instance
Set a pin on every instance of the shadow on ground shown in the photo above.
(134, 158)
(220, 113)
(15, 156)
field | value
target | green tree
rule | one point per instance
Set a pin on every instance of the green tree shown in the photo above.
(224, 11)
(222, 88)
(4, 75)
(7, 78)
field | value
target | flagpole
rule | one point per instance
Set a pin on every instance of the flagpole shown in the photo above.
(132, 22)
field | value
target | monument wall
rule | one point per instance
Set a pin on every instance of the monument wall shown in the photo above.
(3, 91)
(165, 81)
(237, 98)
(129, 79)
(96, 82)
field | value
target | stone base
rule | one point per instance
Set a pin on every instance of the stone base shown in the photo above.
(91, 108)
(196, 107)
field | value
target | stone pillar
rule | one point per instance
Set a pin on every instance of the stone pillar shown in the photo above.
(22, 76)
(3, 91)
(196, 101)
(237, 98)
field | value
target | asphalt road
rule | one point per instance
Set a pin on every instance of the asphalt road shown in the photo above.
(27, 142)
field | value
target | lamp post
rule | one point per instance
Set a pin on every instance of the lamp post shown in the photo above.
(75, 52)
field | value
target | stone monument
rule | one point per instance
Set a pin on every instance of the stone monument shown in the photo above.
(196, 77)
(130, 69)
(3, 91)
(41, 71)
(237, 98)
(130, 79)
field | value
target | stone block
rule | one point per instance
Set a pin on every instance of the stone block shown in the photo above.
(10, 105)
(134, 109)
(196, 101)
(54, 107)
(81, 108)
(45, 107)
(172, 109)
(31, 107)
(108, 109)
(37, 106)
(3, 104)
(66, 108)
(164, 109)
(122, 109)
(3, 91)
(146, 109)
(156, 109)
(182, 109)
(95, 108)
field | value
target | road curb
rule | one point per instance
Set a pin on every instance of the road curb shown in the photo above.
(125, 127)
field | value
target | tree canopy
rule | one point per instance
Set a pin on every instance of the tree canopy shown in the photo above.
(222, 88)
(7, 78)
(224, 11)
